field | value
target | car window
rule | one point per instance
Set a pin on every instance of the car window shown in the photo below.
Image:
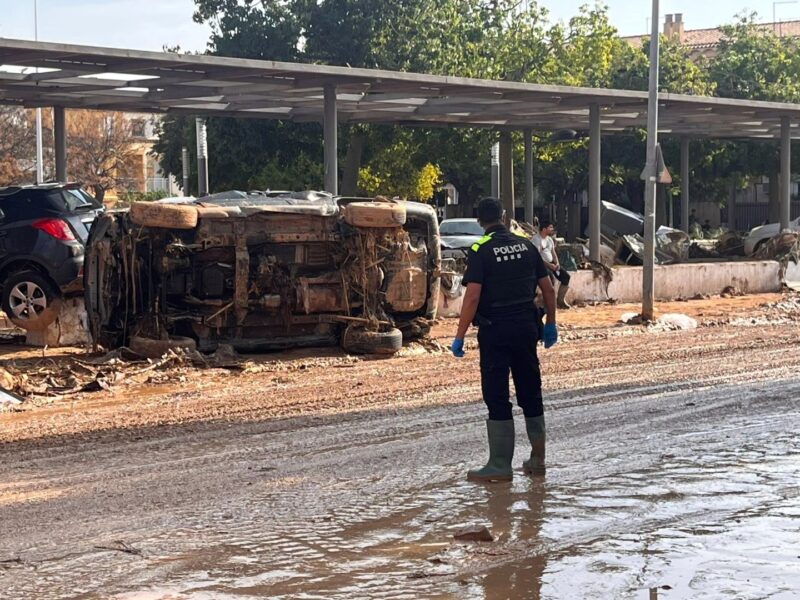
(460, 228)
(22, 206)
(72, 200)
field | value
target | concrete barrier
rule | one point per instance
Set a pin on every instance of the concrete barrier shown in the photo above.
(792, 276)
(71, 327)
(678, 281)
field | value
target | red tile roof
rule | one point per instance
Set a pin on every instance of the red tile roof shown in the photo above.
(709, 38)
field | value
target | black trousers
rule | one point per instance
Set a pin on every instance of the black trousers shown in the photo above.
(562, 276)
(510, 346)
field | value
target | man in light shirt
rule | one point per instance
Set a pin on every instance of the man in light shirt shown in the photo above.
(544, 240)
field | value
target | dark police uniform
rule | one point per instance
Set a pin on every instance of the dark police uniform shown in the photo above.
(508, 267)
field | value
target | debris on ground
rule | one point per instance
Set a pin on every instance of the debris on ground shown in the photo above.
(65, 376)
(676, 322)
(730, 244)
(731, 291)
(121, 546)
(631, 318)
(474, 533)
(9, 398)
(34, 378)
(667, 322)
(783, 247)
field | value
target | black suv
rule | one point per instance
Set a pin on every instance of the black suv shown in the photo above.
(43, 229)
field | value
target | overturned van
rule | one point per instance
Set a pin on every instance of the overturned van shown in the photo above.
(263, 272)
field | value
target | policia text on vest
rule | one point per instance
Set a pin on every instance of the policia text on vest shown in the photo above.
(503, 273)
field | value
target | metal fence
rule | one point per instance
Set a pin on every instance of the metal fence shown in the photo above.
(751, 215)
(157, 184)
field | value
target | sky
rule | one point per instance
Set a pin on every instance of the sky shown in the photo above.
(152, 24)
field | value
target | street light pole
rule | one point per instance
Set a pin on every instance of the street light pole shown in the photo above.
(650, 171)
(39, 152)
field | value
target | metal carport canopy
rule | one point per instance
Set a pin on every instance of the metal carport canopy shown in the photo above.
(74, 76)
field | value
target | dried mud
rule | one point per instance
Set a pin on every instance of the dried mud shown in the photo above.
(673, 462)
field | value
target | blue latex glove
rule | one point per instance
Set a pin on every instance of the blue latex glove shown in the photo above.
(457, 348)
(550, 336)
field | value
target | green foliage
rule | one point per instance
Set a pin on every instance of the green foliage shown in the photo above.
(130, 197)
(494, 39)
(301, 173)
(392, 172)
(756, 64)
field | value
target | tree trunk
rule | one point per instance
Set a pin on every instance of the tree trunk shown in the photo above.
(99, 193)
(352, 164)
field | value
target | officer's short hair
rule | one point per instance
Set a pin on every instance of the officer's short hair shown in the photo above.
(490, 210)
(544, 224)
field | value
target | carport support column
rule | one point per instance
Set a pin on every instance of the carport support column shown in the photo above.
(202, 156)
(528, 175)
(60, 137)
(685, 184)
(330, 129)
(507, 174)
(786, 172)
(594, 182)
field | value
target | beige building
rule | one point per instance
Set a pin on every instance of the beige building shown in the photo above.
(144, 171)
(704, 42)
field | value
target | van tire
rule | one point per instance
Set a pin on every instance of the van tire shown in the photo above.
(375, 214)
(166, 216)
(153, 348)
(361, 341)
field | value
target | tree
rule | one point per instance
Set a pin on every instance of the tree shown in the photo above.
(495, 39)
(17, 146)
(754, 63)
(100, 149)
(478, 38)
(394, 169)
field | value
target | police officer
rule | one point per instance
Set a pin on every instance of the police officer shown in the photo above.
(503, 271)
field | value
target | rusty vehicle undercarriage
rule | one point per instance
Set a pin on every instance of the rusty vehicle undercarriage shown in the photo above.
(261, 272)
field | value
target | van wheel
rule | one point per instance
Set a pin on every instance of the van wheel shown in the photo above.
(361, 341)
(30, 300)
(375, 214)
(153, 348)
(166, 216)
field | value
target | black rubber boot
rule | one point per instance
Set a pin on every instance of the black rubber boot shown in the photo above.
(561, 300)
(536, 434)
(501, 453)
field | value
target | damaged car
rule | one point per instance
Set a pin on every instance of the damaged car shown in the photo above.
(263, 272)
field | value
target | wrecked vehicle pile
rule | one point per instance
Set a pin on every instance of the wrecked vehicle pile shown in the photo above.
(263, 272)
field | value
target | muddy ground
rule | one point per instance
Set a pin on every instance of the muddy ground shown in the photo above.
(674, 463)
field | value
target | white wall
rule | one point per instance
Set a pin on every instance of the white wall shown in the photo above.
(678, 281)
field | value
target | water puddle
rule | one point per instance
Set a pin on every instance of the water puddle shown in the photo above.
(715, 517)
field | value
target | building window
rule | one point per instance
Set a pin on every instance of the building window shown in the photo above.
(138, 128)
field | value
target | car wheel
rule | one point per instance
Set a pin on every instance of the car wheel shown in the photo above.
(30, 300)
(166, 216)
(361, 341)
(154, 348)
